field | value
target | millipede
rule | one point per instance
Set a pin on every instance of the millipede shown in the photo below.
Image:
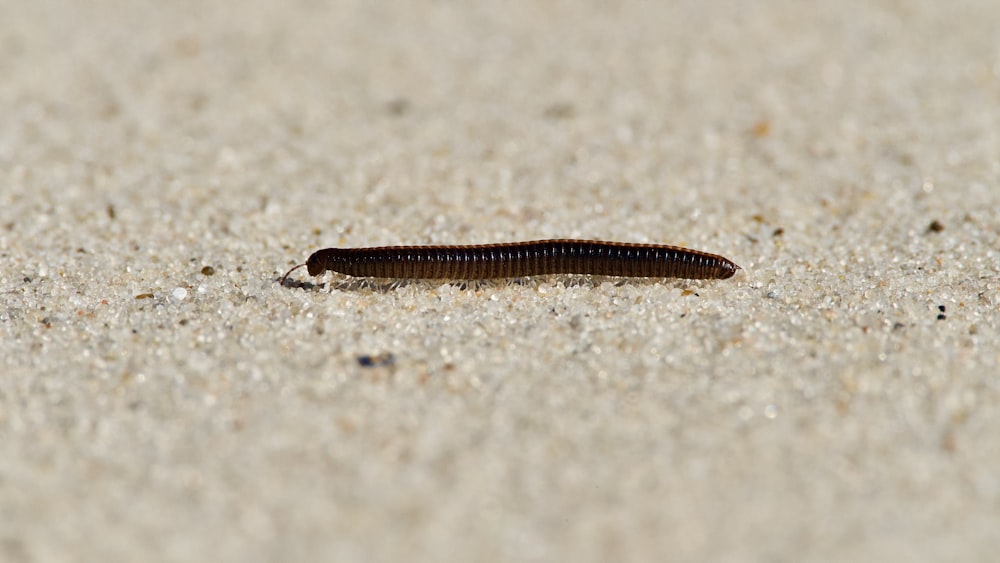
(520, 259)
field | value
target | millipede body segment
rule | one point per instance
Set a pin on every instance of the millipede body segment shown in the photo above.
(519, 259)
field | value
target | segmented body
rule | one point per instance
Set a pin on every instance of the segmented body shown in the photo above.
(512, 260)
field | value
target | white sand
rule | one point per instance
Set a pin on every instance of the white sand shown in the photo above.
(812, 408)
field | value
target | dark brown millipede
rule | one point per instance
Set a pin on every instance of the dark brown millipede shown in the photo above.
(519, 259)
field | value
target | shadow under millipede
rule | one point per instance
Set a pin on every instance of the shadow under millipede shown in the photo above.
(377, 285)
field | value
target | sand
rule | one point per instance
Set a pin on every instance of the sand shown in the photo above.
(163, 398)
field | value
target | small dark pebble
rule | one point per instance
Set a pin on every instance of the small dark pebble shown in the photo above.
(559, 111)
(207, 271)
(942, 308)
(144, 296)
(935, 227)
(380, 360)
(398, 106)
(778, 232)
(26, 279)
(942, 317)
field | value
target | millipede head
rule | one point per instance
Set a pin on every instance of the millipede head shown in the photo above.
(316, 264)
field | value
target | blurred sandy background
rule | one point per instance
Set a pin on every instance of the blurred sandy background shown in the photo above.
(163, 399)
